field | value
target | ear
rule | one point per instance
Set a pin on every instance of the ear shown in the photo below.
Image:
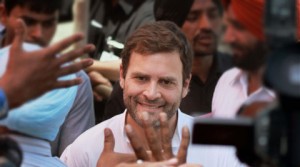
(185, 86)
(122, 79)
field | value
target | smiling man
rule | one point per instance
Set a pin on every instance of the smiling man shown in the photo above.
(155, 75)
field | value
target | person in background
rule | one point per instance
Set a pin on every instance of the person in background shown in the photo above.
(110, 23)
(244, 83)
(41, 18)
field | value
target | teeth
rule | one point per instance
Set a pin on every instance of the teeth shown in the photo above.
(149, 106)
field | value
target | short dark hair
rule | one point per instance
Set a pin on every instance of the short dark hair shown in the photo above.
(160, 36)
(177, 10)
(39, 6)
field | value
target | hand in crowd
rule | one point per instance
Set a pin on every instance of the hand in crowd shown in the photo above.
(102, 87)
(161, 149)
(108, 156)
(30, 74)
(155, 158)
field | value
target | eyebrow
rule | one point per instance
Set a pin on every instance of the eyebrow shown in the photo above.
(235, 23)
(36, 20)
(169, 78)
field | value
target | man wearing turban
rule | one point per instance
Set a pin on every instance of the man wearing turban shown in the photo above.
(245, 34)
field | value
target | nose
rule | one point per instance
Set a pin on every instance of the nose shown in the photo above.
(152, 91)
(36, 32)
(204, 23)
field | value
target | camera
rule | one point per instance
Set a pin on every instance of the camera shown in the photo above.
(272, 137)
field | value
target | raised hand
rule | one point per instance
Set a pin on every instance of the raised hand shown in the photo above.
(30, 74)
(161, 149)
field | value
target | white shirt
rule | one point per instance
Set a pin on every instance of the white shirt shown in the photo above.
(232, 91)
(86, 149)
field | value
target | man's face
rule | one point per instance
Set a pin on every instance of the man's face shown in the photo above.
(248, 53)
(153, 85)
(202, 27)
(40, 26)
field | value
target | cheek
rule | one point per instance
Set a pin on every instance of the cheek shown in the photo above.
(172, 96)
(189, 30)
(130, 89)
(49, 32)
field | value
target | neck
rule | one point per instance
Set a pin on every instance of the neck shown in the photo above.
(202, 66)
(255, 80)
(140, 131)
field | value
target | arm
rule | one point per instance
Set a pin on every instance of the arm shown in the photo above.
(109, 69)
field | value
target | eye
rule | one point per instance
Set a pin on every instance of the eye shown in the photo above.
(29, 22)
(214, 14)
(166, 82)
(192, 17)
(141, 78)
(48, 24)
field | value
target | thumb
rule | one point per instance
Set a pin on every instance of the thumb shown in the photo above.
(109, 140)
(20, 32)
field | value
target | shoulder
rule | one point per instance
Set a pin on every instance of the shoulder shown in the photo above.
(184, 119)
(95, 134)
(86, 149)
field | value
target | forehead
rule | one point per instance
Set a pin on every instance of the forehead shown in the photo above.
(203, 5)
(19, 11)
(157, 64)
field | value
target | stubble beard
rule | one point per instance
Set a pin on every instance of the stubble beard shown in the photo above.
(253, 58)
(131, 104)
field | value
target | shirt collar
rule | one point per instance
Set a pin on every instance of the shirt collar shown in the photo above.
(241, 78)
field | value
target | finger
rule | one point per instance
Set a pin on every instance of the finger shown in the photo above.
(75, 53)
(185, 141)
(74, 67)
(165, 135)
(109, 140)
(139, 150)
(66, 83)
(20, 31)
(61, 45)
(152, 138)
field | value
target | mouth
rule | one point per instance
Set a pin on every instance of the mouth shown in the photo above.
(149, 107)
(204, 40)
